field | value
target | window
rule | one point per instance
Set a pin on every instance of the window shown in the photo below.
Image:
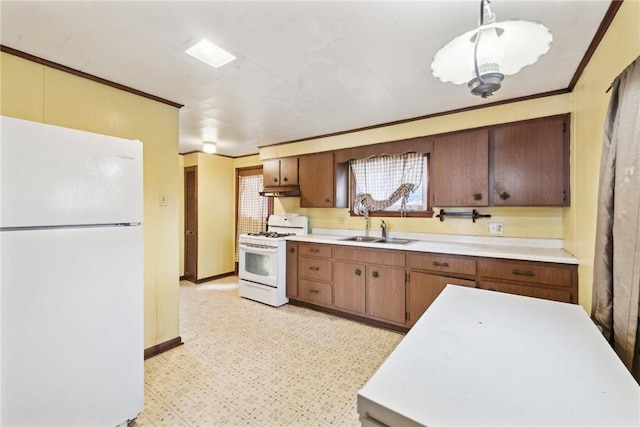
(252, 209)
(390, 185)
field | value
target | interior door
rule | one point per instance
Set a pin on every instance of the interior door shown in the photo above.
(191, 223)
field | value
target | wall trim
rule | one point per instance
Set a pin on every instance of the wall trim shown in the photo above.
(55, 65)
(209, 154)
(597, 38)
(350, 316)
(162, 347)
(428, 116)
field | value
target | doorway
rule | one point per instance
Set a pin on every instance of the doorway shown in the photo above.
(191, 223)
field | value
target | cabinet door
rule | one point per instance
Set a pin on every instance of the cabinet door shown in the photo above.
(385, 293)
(424, 288)
(349, 286)
(530, 166)
(461, 169)
(288, 171)
(271, 172)
(292, 270)
(317, 180)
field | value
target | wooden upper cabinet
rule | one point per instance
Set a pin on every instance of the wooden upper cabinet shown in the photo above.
(271, 172)
(289, 171)
(280, 172)
(530, 164)
(460, 169)
(317, 180)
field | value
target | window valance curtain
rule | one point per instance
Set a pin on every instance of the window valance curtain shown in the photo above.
(383, 180)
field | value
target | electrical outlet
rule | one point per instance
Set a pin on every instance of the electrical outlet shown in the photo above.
(341, 221)
(496, 228)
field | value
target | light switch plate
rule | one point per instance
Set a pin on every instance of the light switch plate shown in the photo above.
(163, 200)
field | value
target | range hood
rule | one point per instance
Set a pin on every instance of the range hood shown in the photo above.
(288, 191)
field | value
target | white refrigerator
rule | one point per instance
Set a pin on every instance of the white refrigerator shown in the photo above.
(71, 251)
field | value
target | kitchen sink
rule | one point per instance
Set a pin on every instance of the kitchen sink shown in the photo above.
(361, 239)
(395, 241)
(369, 239)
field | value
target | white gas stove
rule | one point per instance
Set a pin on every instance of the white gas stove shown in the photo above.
(262, 269)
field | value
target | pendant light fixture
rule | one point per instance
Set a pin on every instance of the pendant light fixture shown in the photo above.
(482, 57)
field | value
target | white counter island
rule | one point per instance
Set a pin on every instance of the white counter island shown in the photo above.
(482, 358)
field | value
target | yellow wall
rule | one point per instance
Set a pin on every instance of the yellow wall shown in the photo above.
(619, 47)
(216, 213)
(34, 92)
(218, 221)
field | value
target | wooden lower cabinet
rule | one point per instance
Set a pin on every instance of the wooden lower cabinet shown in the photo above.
(349, 286)
(557, 282)
(385, 294)
(315, 292)
(527, 290)
(372, 283)
(371, 290)
(424, 288)
(292, 270)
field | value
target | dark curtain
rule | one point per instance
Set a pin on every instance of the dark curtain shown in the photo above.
(616, 281)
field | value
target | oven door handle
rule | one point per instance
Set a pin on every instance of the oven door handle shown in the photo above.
(258, 248)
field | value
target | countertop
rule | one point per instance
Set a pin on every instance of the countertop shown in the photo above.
(544, 250)
(488, 358)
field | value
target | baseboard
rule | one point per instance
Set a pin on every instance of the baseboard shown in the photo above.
(162, 347)
(218, 276)
(350, 316)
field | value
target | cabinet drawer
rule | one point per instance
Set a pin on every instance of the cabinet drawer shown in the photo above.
(553, 294)
(370, 256)
(316, 292)
(443, 263)
(323, 251)
(315, 268)
(523, 271)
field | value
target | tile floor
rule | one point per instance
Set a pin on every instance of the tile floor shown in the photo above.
(247, 364)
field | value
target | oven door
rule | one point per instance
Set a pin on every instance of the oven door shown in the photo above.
(258, 264)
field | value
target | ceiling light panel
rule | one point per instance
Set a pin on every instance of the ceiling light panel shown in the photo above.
(210, 53)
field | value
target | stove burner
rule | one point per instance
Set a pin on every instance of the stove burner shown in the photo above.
(271, 234)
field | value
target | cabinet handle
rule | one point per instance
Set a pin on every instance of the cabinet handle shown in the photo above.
(327, 200)
(285, 179)
(292, 250)
(314, 291)
(522, 273)
(504, 195)
(314, 268)
(314, 250)
(275, 179)
(477, 196)
(358, 272)
(440, 264)
(375, 274)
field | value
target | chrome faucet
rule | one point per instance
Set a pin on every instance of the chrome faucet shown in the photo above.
(383, 226)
